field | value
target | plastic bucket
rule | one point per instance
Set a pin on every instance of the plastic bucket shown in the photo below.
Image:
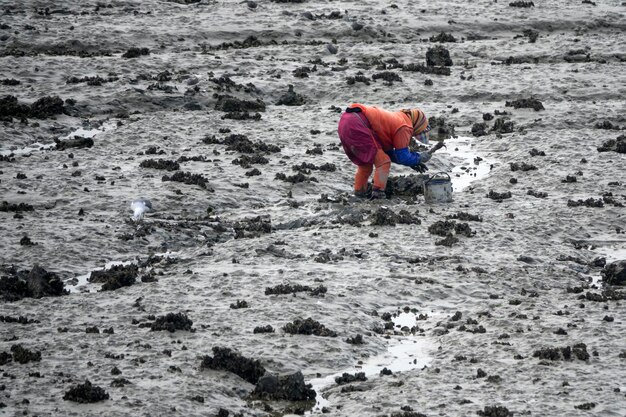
(438, 189)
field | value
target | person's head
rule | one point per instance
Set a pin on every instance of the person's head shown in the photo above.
(420, 124)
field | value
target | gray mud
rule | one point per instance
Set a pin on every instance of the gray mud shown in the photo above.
(224, 116)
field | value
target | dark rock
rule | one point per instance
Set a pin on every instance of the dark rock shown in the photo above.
(295, 179)
(346, 378)
(23, 355)
(606, 125)
(26, 241)
(5, 358)
(535, 152)
(586, 406)
(615, 145)
(288, 387)
(526, 103)
(441, 227)
(239, 304)
(252, 227)
(172, 322)
(263, 329)
(35, 283)
(117, 276)
(590, 202)
(291, 98)
(233, 104)
(494, 411)
(405, 186)
(522, 166)
(19, 207)
(523, 4)
(356, 340)
(86, 393)
(615, 273)
(76, 142)
(120, 382)
(502, 125)
(426, 69)
(463, 216)
(135, 52)
(479, 129)
(40, 109)
(387, 76)
(499, 196)
(165, 164)
(566, 353)
(438, 56)
(189, 179)
(358, 78)
(449, 240)
(292, 289)
(538, 194)
(308, 327)
(443, 37)
(531, 34)
(231, 361)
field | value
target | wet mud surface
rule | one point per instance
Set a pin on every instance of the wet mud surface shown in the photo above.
(257, 272)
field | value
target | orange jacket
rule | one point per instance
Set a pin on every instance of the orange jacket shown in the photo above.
(394, 129)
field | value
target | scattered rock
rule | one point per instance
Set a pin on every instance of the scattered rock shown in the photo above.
(523, 4)
(231, 104)
(23, 355)
(494, 411)
(479, 129)
(523, 166)
(526, 103)
(289, 387)
(346, 378)
(172, 322)
(438, 56)
(291, 98)
(615, 273)
(76, 142)
(35, 283)
(165, 164)
(117, 276)
(499, 196)
(189, 179)
(226, 359)
(292, 289)
(443, 37)
(40, 109)
(135, 52)
(86, 393)
(590, 202)
(308, 327)
(263, 329)
(614, 145)
(356, 340)
(566, 353)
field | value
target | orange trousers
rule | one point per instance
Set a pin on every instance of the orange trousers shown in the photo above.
(363, 172)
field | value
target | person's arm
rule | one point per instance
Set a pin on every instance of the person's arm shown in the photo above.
(401, 153)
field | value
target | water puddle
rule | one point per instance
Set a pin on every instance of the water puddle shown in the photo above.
(81, 131)
(404, 352)
(468, 165)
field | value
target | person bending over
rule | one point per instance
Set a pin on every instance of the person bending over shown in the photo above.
(373, 138)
